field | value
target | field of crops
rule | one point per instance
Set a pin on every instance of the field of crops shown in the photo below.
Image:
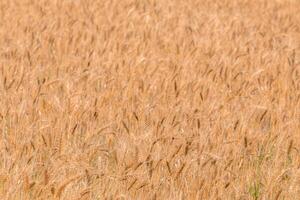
(149, 99)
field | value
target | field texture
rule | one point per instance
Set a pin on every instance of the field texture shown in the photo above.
(149, 99)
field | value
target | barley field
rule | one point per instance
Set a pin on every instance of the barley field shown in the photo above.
(150, 99)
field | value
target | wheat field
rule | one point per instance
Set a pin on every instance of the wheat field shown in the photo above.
(149, 99)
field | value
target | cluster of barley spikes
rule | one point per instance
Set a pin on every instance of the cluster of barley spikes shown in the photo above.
(149, 99)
